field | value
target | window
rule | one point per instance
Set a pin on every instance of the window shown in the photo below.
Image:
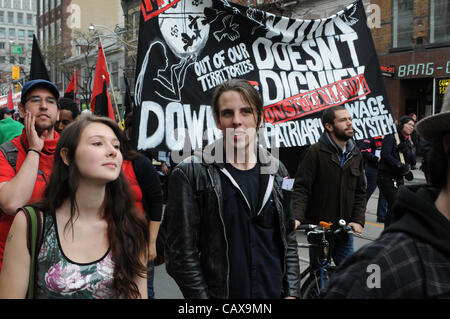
(439, 21)
(19, 18)
(115, 75)
(2, 45)
(30, 34)
(50, 33)
(402, 30)
(58, 31)
(26, 5)
(12, 33)
(11, 17)
(2, 59)
(29, 19)
(21, 33)
(135, 25)
(21, 60)
(2, 16)
(2, 32)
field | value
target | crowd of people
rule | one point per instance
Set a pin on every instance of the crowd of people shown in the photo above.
(229, 225)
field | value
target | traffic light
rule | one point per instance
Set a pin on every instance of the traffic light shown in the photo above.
(15, 72)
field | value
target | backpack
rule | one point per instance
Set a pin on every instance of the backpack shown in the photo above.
(10, 152)
(34, 238)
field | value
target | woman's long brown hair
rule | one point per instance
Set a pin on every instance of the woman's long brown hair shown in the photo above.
(127, 228)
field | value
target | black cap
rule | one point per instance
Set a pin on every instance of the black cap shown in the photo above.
(38, 83)
(5, 110)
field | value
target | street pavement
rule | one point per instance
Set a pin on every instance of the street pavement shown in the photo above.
(166, 288)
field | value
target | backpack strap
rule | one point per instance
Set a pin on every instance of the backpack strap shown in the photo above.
(34, 237)
(10, 152)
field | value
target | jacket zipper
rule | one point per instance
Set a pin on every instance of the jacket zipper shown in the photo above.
(224, 230)
(283, 231)
(227, 174)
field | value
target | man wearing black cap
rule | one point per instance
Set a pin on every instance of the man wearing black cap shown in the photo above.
(411, 258)
(9, 128)
(5, 113)
(27, 160)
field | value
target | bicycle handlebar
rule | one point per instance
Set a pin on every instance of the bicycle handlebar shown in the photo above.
(319, 229)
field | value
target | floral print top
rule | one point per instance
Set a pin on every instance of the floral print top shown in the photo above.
(59, 278)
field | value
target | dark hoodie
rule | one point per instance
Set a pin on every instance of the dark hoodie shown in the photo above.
(415, 214)
(411, 259)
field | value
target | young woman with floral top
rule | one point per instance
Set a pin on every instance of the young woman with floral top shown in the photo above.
(94, 242)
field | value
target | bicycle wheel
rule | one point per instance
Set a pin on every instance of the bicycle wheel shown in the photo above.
(312, 286)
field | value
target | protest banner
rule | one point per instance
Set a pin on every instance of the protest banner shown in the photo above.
(300, 67)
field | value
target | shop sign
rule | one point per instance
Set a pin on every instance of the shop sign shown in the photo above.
(429, 69)
(388, 71)
(442, 85)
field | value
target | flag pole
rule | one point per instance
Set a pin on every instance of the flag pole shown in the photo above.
(75, 81)
(110, 85)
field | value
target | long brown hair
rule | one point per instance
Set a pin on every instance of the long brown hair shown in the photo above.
(127, 229)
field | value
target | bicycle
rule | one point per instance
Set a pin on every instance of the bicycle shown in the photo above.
(318, 274)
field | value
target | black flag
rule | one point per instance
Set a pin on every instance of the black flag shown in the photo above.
(102, 103)
(128, 100)
(37, 69)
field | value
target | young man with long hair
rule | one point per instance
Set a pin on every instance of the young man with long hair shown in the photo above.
(230, 227)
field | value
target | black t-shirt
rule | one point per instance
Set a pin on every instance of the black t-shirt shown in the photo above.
(248, 181)
(254, 241)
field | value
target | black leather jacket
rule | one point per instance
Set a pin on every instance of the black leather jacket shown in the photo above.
(196, 251)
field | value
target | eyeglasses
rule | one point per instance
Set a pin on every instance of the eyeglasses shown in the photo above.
(37, 100)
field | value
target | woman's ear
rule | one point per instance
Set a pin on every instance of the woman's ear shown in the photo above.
(64, 153)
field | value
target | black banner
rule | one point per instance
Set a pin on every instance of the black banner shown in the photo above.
(301, 67)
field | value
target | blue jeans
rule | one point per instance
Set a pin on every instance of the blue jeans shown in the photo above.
(371, 176)
(150, 276)
(343, 247)
(381, 207)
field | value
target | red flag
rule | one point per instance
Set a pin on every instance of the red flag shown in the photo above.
(100, 101)
(10, 100)
(71, 90)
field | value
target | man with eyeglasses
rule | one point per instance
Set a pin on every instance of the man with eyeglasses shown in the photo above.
(26, 161)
